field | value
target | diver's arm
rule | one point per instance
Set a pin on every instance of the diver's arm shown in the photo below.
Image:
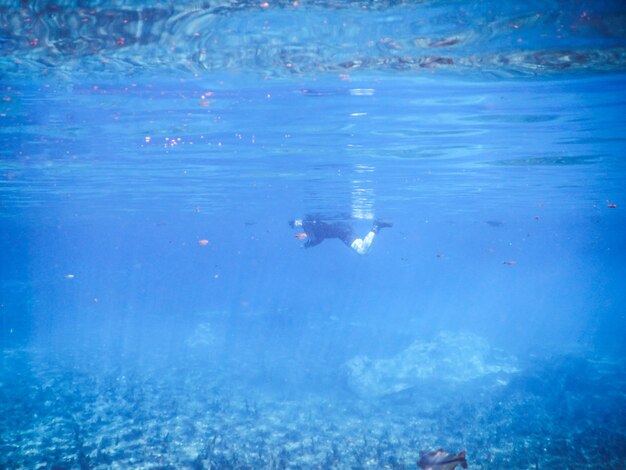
(311, 243)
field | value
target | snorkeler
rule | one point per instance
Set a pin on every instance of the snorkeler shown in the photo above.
(315, 231)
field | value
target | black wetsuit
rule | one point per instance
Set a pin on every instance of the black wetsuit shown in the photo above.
(317, 231)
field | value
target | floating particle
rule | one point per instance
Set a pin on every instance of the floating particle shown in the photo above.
(69, 276)
(203, 242)
(510, 262)
(611, 205)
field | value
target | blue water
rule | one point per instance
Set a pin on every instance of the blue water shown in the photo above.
(156, 310)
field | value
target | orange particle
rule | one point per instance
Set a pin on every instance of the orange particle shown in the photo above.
(203, 242)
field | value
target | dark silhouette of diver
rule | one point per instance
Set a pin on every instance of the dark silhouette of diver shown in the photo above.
(316, 230)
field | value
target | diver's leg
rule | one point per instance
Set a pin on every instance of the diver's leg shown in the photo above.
(362, 245)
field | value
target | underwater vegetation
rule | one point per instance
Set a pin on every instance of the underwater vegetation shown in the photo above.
(70, 411)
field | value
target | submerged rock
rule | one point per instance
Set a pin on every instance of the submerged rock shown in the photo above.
(451, 358)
